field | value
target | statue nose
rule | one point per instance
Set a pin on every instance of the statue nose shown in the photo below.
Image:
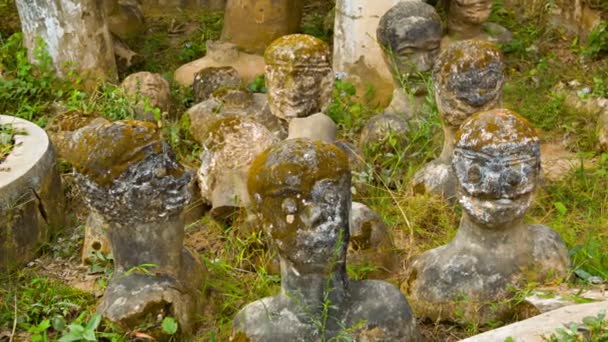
(493, 184)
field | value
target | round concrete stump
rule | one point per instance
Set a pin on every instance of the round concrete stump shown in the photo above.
(31, 199)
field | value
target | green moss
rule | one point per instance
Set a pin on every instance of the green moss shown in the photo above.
(297, 49)
(103, 152)
(495, 127)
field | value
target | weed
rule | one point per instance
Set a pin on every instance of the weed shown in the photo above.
(258, 85)
(593, 329)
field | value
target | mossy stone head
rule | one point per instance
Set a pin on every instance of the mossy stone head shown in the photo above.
(302, 190)
(497, 164)
(106, 150)
(468, 78)
(299, 77)
(297, 50)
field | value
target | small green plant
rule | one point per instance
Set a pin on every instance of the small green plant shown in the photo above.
(592, 329)
(258, 85)
(78, 332)
(7, 135)
(597, 42)
(169, 325)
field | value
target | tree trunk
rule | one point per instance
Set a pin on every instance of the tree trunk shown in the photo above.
(73, 32)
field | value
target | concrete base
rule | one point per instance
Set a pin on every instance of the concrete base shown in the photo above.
(31, 199)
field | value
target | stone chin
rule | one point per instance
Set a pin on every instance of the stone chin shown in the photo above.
(495, 213)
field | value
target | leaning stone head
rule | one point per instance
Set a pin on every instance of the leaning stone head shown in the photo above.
(302, 190)
(128, 173)
(299, 77)
(468, 78)
(497, 164)
(468, 12)
(410, 35)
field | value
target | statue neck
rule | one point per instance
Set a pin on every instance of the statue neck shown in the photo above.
(461, 29)
(449, 137)
(312, 291)
(475, 234)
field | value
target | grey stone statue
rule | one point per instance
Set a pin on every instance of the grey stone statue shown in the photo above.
(301, 189)
(497, 164)
(467, 19)
(299, 77)
(131, 179)
(468, 78)
(410, 35)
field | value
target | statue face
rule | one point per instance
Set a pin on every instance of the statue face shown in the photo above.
(496, 187)
(416, 55)
(298, 76)
(302, 190)
(468, 78)
(308, 231)
(472, 11)
(410, 35)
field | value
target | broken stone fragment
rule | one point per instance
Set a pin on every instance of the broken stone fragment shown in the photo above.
(370, 242)
(148, 92)
(472, 278)
(380, 129)
(315, 127)
(131, 178)
(210, 79)
(229, 149)
(32, 203)
(228, 102)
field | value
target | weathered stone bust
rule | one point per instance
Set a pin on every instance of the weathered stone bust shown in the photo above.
(410, 35)
(131, 178)
(299, 77)
(147, 91)
(497, 164)
(466, 17)
(231, 145)
(302, 191)
(468, 78)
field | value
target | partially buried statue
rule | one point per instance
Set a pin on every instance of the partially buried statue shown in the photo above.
(497, 164)
(468, 78)
(131, 179)
(302, 190)
(410, 35)
(299, 77)
(467, 19)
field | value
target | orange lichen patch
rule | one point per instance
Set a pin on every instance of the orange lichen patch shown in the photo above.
(103, 152)
(494, 128)
(297, 50)
(466, 55)
(297, 165)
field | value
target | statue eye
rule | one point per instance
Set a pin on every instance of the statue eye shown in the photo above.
(513, 178)
(474, 174)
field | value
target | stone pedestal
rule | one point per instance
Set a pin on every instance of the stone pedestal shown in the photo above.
(356, 51)
(253, 24)
(74, 34)
(221, 54)
(31, 199)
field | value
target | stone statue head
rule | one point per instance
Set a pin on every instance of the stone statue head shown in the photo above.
(299, 77)
(410, 35)
(497, 164)
(302, 190)
(468, 78)
(466, 14)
